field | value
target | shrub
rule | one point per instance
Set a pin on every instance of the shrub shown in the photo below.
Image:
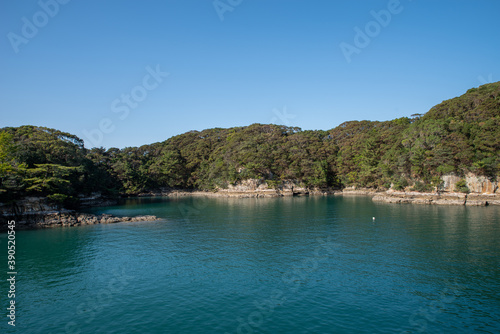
(273, 183)
(437, 182)
(461, 186)
(400, 184)
(421, 187)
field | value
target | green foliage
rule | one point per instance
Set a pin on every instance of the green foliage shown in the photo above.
(445, 169)
(40, 161)
(58, 198)
(422, 187)
(458, 136)
(437, 183)
(49, 178)
(400, 184)
(273, 183)
(461, 186)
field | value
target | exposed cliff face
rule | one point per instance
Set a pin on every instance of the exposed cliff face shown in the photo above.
(260, 188)
(250, 188)
(421, 198)
(481, 184)
(449, 182)
(476, 184)
(482, 191)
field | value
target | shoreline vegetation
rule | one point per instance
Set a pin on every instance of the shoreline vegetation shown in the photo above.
(389, 196)
(449, 155)
(39, 212)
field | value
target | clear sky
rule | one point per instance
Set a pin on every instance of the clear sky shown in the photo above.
(98, 69)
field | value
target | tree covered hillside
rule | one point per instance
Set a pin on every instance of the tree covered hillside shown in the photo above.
(458, 136)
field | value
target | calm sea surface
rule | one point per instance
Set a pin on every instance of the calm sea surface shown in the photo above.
(280, 265)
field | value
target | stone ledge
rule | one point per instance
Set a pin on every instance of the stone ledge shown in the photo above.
(438, 198)
(46, 219)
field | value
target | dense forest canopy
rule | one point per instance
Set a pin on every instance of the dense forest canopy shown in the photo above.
(458, 136)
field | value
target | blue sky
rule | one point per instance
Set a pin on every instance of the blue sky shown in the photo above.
(267, 61)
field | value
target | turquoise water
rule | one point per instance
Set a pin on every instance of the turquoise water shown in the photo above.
(280, 265)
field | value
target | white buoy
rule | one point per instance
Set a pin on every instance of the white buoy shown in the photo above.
(373, 218)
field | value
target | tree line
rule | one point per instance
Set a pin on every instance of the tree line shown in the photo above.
(458, 136)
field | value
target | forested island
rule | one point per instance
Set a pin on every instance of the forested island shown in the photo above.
(459, 137)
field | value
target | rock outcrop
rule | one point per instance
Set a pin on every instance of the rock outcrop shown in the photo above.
(482, 192)
(481, 184)
(476, 184)
(248, 189)
(37, 212)
(46, 219)
(482, 199)
(421, 198)
(253, 188)
(357, 191)
(438, 198)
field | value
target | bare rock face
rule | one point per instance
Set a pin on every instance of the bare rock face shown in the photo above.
(260, 188)
(421, 198)
(476, 184)
(358, 191)
(449, 182)
(249, 188)
(438, 198)
(481, 184)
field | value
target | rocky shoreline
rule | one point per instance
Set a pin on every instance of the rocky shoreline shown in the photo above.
(482, 192)
(236, 194)
(438, 198)
(250, 188)
(38, 212)
(37, 220)
(390, 196)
